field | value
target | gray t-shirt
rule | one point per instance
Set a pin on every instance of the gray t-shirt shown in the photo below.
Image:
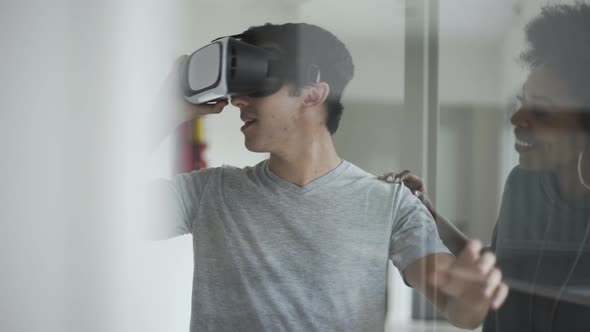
(273, 256)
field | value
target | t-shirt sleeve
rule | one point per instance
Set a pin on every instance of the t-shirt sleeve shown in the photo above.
(414, 234)
(173, 203)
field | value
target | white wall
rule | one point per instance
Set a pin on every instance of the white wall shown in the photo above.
(60, 165)
(470, 73)
(33, 237)
(454, 181)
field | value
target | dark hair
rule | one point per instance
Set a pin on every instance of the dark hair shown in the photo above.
(560, 39)
(303, 45)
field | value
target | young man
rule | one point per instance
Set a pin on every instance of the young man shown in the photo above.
(300, 242)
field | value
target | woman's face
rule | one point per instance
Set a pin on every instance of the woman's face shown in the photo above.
(548, 131)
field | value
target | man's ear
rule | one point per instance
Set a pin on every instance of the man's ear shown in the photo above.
(316, 95)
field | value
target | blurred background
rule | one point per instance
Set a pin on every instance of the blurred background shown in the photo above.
(433, 92)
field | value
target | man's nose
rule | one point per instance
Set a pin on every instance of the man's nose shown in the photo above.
(240, 101)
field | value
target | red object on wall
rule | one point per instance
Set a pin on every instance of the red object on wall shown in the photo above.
(190, 154)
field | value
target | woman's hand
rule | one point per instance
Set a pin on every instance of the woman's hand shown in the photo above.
(409, 179)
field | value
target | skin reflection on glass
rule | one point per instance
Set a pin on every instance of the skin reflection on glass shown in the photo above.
(542, 235)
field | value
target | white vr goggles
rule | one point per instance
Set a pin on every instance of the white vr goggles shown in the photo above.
(230, 67)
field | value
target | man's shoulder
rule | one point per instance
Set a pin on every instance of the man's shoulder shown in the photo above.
(224, 170)
(364, 179)
(245, 171)
(203, 173)
(354, 171)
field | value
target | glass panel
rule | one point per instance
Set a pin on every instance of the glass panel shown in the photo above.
(371, 132)
(508, 171)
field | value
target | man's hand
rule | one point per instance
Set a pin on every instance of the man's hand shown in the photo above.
(470, 286)
(171, 94)
(172, 109)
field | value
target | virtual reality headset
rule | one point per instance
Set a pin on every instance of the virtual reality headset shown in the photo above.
(230, 67)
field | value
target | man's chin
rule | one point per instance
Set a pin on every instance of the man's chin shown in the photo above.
(253, 148)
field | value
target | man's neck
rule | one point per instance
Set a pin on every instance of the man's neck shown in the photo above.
(306, 162)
